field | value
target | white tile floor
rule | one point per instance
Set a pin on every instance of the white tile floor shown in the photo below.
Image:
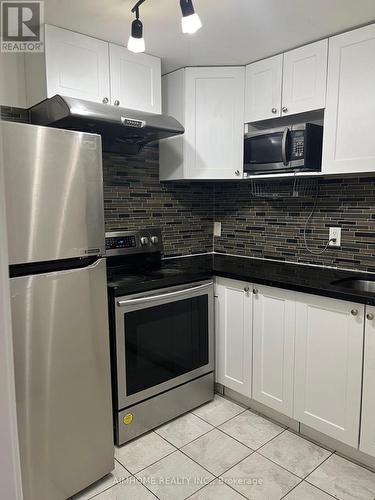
(222, 451)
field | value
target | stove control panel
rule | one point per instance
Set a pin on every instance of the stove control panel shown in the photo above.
(132, 242)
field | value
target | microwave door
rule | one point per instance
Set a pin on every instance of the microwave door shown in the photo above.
(263, 151)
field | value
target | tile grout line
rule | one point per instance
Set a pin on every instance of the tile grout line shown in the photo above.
(156, 461)
(139, 482)
(179, 447)
(225, 421)
(274, 437)
(304, 480)
(309, 474)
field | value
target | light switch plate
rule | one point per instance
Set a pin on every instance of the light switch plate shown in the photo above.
(217, 228)
(335, 232)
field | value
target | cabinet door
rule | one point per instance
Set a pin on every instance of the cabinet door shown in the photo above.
(76, 65)
(367, 443)
(328, 366)
(273, 344)
(214, 104)
(263, 89)
(349, 144)
(233, 335)
(305, 78)
(135, 80)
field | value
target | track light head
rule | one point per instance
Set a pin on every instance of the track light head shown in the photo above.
(136, 42)
(190, 21)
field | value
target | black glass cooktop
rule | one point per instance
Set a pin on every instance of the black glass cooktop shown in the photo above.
(126, 275)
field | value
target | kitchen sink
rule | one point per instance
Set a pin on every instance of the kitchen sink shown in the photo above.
(364, 285)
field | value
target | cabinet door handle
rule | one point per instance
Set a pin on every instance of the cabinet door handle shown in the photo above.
(285, 109)
(274, 110)
(117, 102)
(354, 312)
(255, 291)
(246, 289)
(370, 316)
(237, 172)
(105, 100)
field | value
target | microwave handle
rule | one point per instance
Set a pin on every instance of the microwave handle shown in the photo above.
(283, 146)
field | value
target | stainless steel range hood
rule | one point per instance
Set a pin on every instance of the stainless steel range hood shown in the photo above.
(122, 130)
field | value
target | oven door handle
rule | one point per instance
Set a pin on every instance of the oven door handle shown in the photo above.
(151, 298)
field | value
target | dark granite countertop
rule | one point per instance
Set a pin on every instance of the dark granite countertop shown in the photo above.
(301, 278)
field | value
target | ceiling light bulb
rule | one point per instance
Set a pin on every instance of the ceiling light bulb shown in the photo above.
(190, 21)
(136, 42)
(191, 24)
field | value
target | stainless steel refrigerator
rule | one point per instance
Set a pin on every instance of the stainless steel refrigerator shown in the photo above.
(55, 225)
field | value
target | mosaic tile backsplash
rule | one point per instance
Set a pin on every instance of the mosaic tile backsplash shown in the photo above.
(251, 226)
(273, 228)
(134, 198)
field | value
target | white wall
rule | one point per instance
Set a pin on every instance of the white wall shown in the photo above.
(10, 472)
(12, 80)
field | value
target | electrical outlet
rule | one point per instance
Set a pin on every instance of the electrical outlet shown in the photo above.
(217, 228)
(335, 233)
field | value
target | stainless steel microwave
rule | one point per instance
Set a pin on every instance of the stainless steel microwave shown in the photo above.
(286, 149)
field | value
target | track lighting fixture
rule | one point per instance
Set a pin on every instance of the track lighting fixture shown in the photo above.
(190, 23)
(136, 42)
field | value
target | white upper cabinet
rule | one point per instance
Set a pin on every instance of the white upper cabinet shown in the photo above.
(233, 303)
(209, 102)
(263, 89)
(367, 441)
(273, 347)
(76, 65)
(83, 67)
(349, 144)
(290, 83)
(305, 78)
(135, 80)
(328, 366)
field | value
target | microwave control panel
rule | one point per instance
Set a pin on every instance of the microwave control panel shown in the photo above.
(298, 145)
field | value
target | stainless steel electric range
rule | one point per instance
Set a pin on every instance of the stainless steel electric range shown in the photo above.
(162, 334)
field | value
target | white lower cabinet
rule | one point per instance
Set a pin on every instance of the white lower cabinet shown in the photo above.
(328, 366)
(367, 441)
(273, 347)
(233, 302)
(301, 355)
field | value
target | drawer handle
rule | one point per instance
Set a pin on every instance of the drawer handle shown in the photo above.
(370, 316)
(354, 312)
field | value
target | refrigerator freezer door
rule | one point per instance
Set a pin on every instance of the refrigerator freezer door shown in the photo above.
(63, 389)
(54, 193)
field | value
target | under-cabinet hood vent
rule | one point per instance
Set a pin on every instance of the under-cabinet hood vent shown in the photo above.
(123, 130)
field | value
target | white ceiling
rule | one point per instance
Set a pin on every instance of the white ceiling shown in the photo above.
(234, 31)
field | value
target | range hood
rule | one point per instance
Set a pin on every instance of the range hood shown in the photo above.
(122, 130)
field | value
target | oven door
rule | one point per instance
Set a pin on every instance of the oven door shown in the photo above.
(164, 338)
